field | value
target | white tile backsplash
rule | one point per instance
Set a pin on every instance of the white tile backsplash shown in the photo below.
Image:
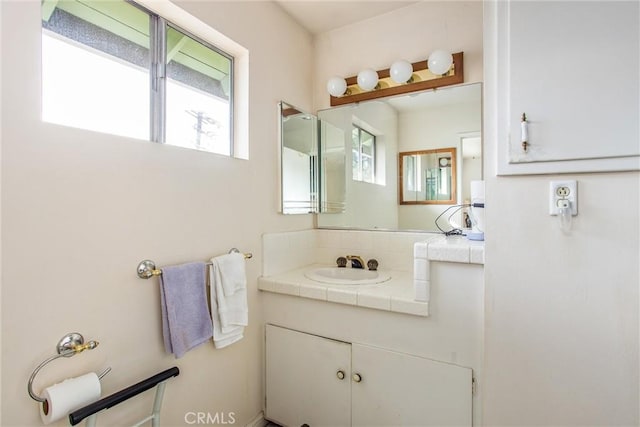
(291, 250)
(287, 251)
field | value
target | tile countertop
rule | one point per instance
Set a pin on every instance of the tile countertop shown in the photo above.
(396, 294)
(450, 249)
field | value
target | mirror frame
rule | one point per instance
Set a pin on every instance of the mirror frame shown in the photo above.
(451, 201)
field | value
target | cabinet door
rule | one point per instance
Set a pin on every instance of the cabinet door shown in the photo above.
(403, 390)
(302, 382)
(572, 68)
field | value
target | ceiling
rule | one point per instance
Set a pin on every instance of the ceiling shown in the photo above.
(319, 16)
(460, 94)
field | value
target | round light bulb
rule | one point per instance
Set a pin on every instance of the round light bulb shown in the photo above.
(367, 79)
(336, 86)
(401, 71)
(439, 61)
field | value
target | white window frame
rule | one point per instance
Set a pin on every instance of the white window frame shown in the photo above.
(159, 26)
(360, 155)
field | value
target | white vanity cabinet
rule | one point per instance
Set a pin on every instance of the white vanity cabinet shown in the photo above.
(322, 382)
(572, 68)
(303, 384)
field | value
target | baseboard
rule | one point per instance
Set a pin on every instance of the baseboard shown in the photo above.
(258, 421)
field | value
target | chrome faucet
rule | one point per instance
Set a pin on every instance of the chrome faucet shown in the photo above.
(356, 261)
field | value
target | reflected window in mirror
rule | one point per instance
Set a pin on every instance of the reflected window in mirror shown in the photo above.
(428, 177)
(448, 117)
(363, 155)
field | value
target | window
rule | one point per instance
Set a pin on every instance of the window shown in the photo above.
(363, 155)
(115, 67)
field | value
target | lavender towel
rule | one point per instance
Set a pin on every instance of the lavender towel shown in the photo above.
(186, 322)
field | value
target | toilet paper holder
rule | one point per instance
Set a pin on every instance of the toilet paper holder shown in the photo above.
(69, 345)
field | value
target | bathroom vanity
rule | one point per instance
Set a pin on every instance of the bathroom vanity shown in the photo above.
(322, 381)
(370, 354)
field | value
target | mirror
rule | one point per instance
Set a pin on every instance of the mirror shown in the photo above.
(428, 177)
(298, 160)
(448, 117)
(332, 169)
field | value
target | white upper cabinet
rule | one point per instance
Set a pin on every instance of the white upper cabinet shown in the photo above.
(572, 68)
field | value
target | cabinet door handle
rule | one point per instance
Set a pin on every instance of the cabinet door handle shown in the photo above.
(524, 133)
(340, 375)
(357, 378)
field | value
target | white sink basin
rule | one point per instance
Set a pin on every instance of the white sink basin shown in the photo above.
(346, 276)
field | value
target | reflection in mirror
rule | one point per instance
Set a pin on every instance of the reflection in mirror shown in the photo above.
(369, 172)
(446, 117)
(332, 168)
(428, 177)
(298, 160)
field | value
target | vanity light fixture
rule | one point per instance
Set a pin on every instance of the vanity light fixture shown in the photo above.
(401, 71)
(440, 61)
(337, 86)
(367, 79)
(440, 69)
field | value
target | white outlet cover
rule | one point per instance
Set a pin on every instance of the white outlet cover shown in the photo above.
(572, 197)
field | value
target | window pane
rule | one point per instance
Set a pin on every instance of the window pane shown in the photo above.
(367, 143)
(367, 168)
(355, 138)
(198, 95)
(355, 165)
(95, 64)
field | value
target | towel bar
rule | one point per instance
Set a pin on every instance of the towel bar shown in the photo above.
(147, 268)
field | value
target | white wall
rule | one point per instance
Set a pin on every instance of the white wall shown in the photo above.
(81, 209)
(561, 311)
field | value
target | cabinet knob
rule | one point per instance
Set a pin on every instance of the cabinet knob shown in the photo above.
(357, 378)
(340, 375)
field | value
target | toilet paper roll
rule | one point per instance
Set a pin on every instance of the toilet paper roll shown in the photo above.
(69, 395)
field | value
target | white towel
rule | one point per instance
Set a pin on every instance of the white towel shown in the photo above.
(229, 314)
(232, 271)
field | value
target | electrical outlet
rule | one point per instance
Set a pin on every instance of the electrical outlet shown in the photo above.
(563, 191)
(563, 194)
